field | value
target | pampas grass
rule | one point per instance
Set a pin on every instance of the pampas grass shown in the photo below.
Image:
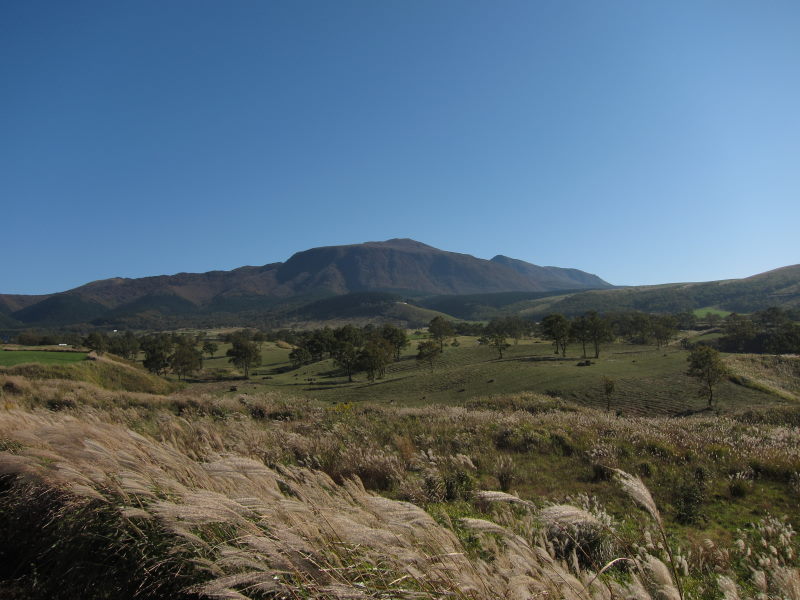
(264, 496)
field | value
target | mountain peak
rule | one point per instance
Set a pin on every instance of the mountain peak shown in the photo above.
(402, 244)
(397, 265)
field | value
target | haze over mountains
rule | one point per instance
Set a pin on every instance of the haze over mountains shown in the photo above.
(400, 266)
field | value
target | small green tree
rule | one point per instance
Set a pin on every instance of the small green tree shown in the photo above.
(499, 343)
(300, 356)
(599, 330)
(440, 329)
(608, 391)
(97, 341)
(185, 358)
(157, 350)
(427, 352)
(346, 358)
(244, 354)
(210, 348)
(556, 327)
(396, 337)
(579, 330)
(664, 328)
(375, 356)
(705, 363)
(124, 344)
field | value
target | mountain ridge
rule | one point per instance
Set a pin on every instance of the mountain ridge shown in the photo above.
(398, 264)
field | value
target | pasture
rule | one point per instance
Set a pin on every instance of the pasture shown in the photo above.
(648, 381)
(18, 357)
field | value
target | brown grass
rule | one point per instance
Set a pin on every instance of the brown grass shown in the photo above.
(264, 497)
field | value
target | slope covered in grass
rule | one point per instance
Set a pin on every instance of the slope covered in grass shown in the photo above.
(123, 495)
(104, 371)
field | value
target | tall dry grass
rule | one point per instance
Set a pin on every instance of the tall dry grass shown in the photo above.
(120, 495)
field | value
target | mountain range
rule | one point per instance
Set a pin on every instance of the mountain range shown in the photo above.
(375, 273)
(400, 280)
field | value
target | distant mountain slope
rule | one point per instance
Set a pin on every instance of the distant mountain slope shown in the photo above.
(779, 287)
(553, 278)
(406, 265)
(401, 266)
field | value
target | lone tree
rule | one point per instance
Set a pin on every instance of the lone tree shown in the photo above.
(440, 329)
(497, 331)
(705, 363)
(244, 354)
(210, 348)
(608, 390)
(498, 342)
(428, 352)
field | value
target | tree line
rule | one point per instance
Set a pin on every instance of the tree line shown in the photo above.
(770, 331)
(353, 349)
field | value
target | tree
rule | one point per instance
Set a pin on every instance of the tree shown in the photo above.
(579, 330)
(396, 337)
(210, 348)
(125, 345)
(315, 344)
(244, 354)
(300, 356)
(664, 328)
(640, 328)
(259, 337)
(498, 342)
(348, 335)
(346, 358)
(328, 340)
(428, 351)
(97, 341)
(556, 327)
(440, 329)
(157, 350)
(705, 363)
(608, 390)
(599, 330)
(375, 356)
(186, 358)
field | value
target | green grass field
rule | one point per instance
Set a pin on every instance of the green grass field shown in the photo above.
(648, 381)
(702, 312)
(18, 357)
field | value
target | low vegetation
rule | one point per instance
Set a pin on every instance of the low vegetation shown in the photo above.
(269, 496)
(467, 460)
(103, 371)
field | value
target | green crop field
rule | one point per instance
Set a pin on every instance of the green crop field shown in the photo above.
(648, 381)
(18, 357)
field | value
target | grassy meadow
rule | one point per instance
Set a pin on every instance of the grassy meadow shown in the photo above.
(648, 380)
(482, 479)
(18, 357)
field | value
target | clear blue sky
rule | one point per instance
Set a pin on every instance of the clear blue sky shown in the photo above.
(646, 142)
